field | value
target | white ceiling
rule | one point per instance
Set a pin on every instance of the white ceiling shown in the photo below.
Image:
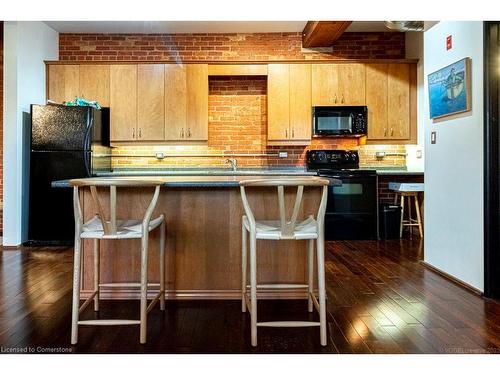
(173, 27)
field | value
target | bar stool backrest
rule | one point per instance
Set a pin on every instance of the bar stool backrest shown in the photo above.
(109, 224)
(287, 226)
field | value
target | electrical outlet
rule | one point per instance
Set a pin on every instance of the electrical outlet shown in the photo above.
(160, 155)
(419, 154)
(433, 138)
(282, 154)
(380, 154)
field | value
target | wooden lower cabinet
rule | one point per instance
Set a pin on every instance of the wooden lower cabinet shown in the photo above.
(203, 254)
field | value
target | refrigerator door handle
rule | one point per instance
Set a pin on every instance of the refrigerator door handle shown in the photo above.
(90, 124)
(87, 157)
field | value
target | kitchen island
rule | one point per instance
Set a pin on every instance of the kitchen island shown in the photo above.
(203, 243)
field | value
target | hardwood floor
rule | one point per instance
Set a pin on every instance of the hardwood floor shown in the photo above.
(380, 300)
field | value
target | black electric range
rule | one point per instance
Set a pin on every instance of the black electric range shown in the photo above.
(352, 209)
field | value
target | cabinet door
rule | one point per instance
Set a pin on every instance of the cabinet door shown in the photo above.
(351, 84)
(324, 82)
(398, 102)
(300, 101)
(175, 102)
(278, 102)
(150, 102)
(64, 82)
(94, 83)
(376, 100)
(123, 102)
(197, 102)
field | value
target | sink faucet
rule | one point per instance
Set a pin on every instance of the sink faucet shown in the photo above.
(233, 162)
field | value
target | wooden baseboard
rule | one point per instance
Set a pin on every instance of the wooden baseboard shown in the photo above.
(127, 294)
(451, 278)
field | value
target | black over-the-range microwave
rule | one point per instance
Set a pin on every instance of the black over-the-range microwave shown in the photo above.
(346, 121)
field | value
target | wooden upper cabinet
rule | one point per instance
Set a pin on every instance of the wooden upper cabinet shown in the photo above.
(63, 82)
(376, 100)
(398, 88)
(123, 102)
(391, 97)
(197, 102)
(300, 102)
(94, 83)
(175, 102)
(351, 84)
(325, 82)
(289, 103)
(150, 102)
(278, 102)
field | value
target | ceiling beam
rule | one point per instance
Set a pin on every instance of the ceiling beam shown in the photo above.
(323, 33)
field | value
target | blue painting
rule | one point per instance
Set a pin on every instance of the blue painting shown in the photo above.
(449, 89)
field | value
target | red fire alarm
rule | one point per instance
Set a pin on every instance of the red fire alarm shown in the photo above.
(448, 42)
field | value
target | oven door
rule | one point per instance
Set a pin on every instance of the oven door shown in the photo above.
(352, 208)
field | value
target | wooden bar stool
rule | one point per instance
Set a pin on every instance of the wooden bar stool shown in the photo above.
(409, 191)
(311, 229)
(99, 228)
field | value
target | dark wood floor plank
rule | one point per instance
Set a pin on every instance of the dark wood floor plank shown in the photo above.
(380, 300)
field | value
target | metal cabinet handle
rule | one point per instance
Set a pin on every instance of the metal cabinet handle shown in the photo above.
(335, 98)
(385, 132)
(182, 133)
(133, 133)
(189, 133)
(140, 133)
(343, 98)
(286, 133)
(293, 133)
(392, 132)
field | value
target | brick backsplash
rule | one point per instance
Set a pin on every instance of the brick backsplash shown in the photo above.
(257, 46)
(237, 124)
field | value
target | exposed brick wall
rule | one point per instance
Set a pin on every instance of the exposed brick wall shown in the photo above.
(237, 108)
(1, 128)
(237, 105)
(263, 46)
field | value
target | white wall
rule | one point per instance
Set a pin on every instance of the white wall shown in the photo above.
(26, 45)
(453, 239)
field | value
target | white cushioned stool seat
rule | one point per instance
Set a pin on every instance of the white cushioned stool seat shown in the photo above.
(406, 186)
(271, 229)
(124, 228)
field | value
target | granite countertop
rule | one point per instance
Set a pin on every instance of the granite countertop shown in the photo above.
(292, 171)
(200, 181)
(381, 171)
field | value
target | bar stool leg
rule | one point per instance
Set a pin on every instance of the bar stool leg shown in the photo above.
(76, 289)
(162, 266)
(144, 285)
(96, 273)
(402, 215)
(310, 274)
(253, 287)
(243, 267)
(322, 289)
(410, 215)
(419, 217)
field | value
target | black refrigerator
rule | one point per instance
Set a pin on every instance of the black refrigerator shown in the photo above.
(66, 142)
